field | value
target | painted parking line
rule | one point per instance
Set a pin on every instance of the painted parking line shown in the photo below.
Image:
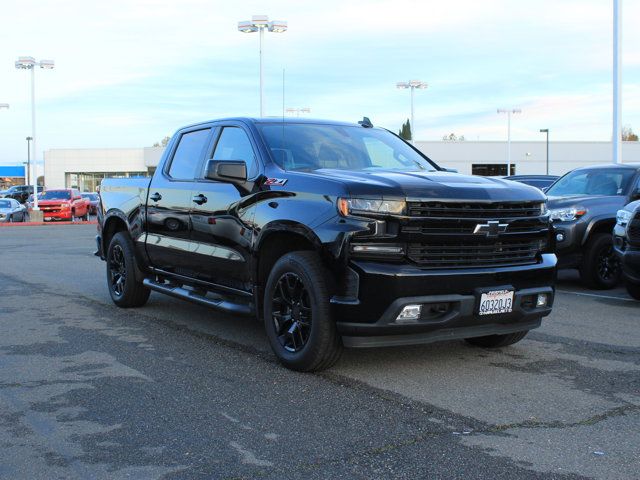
(597, 295)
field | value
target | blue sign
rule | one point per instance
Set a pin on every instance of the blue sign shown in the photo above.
(12, 171)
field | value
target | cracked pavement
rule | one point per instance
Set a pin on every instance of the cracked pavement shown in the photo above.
(174, 390)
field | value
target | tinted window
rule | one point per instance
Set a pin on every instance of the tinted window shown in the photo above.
(610, 181)
(234, 144)
(343, 147)
(5, 204)
(188, 154)
(55, 195)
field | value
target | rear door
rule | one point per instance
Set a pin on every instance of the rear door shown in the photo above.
(222, 227)
(169, 202)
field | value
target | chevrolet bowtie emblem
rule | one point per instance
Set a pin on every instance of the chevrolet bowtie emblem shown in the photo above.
(491, 229)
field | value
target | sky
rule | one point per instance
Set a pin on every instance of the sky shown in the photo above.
(130, 72)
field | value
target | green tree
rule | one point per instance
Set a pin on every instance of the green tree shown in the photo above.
(405, 131)
(628, 135)
(163, 143)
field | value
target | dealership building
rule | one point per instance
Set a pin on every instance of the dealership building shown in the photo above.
(85, 168)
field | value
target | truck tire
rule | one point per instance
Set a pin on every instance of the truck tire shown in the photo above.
(633, 289)
(297, 315)
(125, 290)
(600, 269)
(496, 341)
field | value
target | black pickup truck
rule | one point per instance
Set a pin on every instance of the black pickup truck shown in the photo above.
(333, 234)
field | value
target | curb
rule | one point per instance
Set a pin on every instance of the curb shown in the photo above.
(38, 224)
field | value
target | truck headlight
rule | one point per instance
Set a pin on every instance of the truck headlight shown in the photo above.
(347, 206)
(566, 214)
(623, 217)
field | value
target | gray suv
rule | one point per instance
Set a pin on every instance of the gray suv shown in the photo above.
(582, 205)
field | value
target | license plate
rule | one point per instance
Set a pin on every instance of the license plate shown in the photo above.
(495, 302)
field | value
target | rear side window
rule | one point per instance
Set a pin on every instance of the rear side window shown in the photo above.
(234, 144)
(188, 154)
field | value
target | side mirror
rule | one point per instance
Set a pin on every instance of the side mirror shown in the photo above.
(635, 194)
(232, 171)
(77, 198)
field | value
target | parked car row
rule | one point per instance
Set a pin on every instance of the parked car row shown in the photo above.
(585, 205)
(20, 193)
(11, 211)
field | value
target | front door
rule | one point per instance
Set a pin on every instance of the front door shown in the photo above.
(221, 225)
(169, 202)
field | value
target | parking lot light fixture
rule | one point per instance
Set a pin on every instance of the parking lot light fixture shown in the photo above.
(546, 130)
(298, 111)
(260, 23)
(509, 112)
(30, 63)
(412, 85)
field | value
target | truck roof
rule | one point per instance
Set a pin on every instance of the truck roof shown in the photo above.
(288, 120)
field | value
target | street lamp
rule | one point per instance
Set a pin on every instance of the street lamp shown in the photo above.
(260, 23)
(29, 159)
(298, 111)
(4, 105)
(29, 63)
(412, 84)
(546, 130)
(509, 111)
(617, 82)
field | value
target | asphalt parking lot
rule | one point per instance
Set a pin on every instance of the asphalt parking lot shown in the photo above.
(175, 390)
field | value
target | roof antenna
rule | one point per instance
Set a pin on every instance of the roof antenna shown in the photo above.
(365, 122)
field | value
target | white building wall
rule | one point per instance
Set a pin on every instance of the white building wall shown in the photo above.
(59, 162)
(563, 156)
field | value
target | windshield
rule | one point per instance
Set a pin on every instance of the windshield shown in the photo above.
(601, 181)
(314, 147)
(55, 195)
(5, 204)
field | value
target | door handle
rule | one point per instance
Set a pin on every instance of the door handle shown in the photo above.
(199, 199)
(155, 197)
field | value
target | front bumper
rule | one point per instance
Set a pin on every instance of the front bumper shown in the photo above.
(568, 238)
(629, 256)
(65, 215)
(449, 299)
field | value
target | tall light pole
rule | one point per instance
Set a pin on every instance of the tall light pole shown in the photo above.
(29, 159)
(546, 130)
(412, 85)
(509, 111)
(617, 81)
(260, 23)
(29, 63)
(298, 111)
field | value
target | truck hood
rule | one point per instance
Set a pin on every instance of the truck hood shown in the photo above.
(432, 185)
(52, 202)
(586, 201)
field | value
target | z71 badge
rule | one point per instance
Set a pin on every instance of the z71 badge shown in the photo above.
(275, 181)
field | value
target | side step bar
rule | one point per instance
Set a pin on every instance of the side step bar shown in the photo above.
(218, 303)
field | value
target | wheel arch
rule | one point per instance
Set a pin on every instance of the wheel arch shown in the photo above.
(599, 224)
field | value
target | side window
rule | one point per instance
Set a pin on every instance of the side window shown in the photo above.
(188, 154)
(234, 144)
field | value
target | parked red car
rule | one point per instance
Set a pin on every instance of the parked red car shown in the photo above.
(65, 204)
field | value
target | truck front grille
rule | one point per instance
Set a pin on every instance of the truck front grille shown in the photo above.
(504, 252)
(493, 211)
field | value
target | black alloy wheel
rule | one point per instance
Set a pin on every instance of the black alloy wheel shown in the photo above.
(600, 268)
(117, 270)
(291, 312)
(607, 264)
(297, 313)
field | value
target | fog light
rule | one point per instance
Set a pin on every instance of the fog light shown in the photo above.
(560, 237)
(409, 312)
(542, 300)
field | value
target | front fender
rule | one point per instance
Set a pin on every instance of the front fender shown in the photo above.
(595, 223)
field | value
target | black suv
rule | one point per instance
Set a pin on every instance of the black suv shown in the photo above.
(333, 234)
(626, 241)
(583, 205)
(20, 192)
